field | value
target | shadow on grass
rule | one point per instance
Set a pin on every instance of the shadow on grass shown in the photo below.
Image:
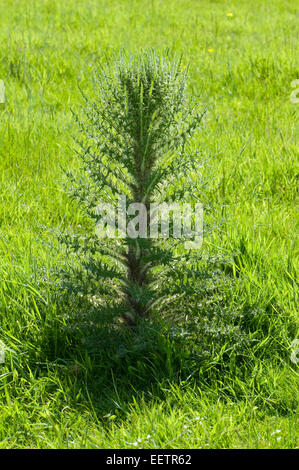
(103, 366)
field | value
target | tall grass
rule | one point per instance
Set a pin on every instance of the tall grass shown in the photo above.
(220, 375)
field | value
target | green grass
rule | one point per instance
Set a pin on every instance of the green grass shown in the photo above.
(60, 387)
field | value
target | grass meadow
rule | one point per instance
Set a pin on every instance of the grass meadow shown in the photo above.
(223, 372)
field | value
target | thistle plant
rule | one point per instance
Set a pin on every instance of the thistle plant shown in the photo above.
(134, 143)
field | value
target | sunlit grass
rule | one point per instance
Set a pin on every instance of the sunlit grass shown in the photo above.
(56, 390)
